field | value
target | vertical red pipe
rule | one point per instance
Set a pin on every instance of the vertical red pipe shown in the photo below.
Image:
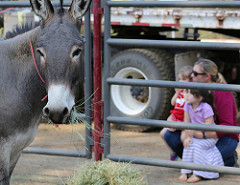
(97, 48)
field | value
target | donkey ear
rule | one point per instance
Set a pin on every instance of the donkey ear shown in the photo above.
(42, 8)
(78, 8)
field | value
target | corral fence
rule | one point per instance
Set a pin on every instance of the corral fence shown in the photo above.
(139, 43)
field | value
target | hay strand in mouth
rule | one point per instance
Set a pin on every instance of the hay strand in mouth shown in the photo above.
(76, 119)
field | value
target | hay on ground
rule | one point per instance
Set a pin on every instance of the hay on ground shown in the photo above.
(107, 172)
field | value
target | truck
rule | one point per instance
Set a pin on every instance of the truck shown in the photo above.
(166, 23)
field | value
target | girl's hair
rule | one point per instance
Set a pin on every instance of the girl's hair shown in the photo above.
(186, 72)
(207, 97)
(211, 68)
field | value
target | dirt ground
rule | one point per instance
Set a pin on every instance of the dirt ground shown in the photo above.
(33, 169)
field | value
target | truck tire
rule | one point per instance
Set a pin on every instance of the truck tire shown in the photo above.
(136, 101)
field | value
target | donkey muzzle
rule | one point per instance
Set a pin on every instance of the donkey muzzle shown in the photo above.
(60, 103)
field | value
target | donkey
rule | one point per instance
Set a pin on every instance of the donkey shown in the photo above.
(57, 51)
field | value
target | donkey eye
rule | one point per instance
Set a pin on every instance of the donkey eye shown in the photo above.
(42, 56)
(76, 52)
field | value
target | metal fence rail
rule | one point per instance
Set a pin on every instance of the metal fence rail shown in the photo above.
(174, 164)
(172, 44)
(172, 124)
(178, 4)
(56, 152)
(174, 84)
(108, 81)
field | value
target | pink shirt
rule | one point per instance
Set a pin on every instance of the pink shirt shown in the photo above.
(202, 112)
(226, 111)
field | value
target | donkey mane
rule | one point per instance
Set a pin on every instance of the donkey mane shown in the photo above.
(21, 29)
(17, 45)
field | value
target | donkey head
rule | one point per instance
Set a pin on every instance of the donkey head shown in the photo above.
(58, 51)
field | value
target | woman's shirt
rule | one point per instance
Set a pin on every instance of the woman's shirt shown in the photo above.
(226, 111)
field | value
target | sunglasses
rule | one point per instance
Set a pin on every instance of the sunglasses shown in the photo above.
(196, 73)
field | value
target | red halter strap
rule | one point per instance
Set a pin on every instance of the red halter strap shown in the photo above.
(36, 67)
(3, 11)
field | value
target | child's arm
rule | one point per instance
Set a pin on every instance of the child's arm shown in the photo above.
(188, 133)
(186, 117)
(209, 120)
(174, 98)
(183, 135)
(187, 141)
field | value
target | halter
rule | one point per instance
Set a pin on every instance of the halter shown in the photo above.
(36, 67)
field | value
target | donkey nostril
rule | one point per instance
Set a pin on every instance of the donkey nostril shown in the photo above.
(65, 111)
(46, 112)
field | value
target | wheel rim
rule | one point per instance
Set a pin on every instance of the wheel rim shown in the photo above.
(130, 100)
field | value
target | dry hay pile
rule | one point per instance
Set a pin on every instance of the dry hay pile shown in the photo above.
(107, 173)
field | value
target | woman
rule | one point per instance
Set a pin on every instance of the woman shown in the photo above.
(206, 71)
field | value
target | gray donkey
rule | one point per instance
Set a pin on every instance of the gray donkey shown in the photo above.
(44, 61)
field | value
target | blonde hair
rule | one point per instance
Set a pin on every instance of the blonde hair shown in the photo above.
(186, 72)
(211, 68)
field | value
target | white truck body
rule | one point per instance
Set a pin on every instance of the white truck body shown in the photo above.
(209, 18)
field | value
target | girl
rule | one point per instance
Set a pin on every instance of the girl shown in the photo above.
(177, 114)
(202, 151)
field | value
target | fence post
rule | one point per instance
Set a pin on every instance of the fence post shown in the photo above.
(97, 104)
(107, 55)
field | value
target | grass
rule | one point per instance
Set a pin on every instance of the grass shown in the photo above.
(107, 172)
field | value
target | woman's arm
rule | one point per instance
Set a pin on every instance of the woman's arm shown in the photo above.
(225, 108)
(199, 134)
(226, 111)
(203, 134)
(210, 135)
